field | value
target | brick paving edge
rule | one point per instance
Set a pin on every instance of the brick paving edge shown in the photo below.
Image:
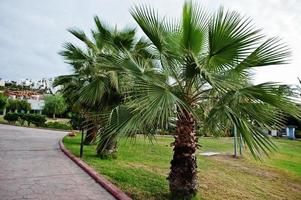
(110, 187)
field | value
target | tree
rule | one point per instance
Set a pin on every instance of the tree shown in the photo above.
(23, 105)
(3, 103)
(55, 105)
(203, 59)
(13, 105)
(92, 89)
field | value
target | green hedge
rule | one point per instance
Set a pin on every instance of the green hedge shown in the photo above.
(11, 118)
(22, 118)
(36, 119)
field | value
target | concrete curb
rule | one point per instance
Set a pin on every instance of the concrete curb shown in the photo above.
(116, 192)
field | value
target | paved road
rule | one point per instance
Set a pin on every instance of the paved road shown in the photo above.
(33, 167)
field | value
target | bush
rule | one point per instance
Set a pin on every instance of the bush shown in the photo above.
(11, 117)
(76, 121)
(23, 105)
(36, 119)
(54, 105)
(164, 132)
(3, 101)
(57, 125)
(298, 133)
(18, 105)
(12, 105)
(27, 118)
(22, 118)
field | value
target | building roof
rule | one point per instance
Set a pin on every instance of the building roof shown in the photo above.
(27, 94)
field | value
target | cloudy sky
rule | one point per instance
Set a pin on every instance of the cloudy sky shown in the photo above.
(32, 31)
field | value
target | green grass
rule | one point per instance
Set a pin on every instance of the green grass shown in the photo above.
(142, 167)
(60, 120)
(2, 121)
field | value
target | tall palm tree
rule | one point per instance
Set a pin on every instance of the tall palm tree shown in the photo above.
(202, 63)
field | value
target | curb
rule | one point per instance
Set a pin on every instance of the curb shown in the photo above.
(111, 188)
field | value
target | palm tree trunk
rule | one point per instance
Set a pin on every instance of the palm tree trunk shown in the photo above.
(183, 171)
(90, 135)
(107, 147)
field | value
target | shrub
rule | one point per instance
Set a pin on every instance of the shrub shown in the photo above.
(36, 119)
(22, 118)
(164, 132)
(76, 121)
(298, 133)
(13, 105)
(23, 105)
(3, 101)
(55, 105)
(11, 117)
(18, 105)
(25, 117)
(57, 125)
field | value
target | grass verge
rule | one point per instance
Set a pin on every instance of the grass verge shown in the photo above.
(142, 167)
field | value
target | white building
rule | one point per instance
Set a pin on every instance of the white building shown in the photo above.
(2, 83)
(37, 105)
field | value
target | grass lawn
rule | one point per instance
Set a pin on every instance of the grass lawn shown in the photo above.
(142, 167)
(2, 121)
(60, 120)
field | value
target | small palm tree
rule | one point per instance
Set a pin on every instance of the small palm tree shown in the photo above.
(201, 73)
(93, 90)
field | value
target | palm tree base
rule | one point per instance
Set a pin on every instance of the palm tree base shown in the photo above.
(107, 148)
(183, 181)
(90, 136)
(108, 155)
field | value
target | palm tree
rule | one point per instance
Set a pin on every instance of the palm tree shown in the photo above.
(92, 89)
(202, 59)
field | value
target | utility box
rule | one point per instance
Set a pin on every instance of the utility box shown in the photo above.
(290, 132)
(274, 133)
